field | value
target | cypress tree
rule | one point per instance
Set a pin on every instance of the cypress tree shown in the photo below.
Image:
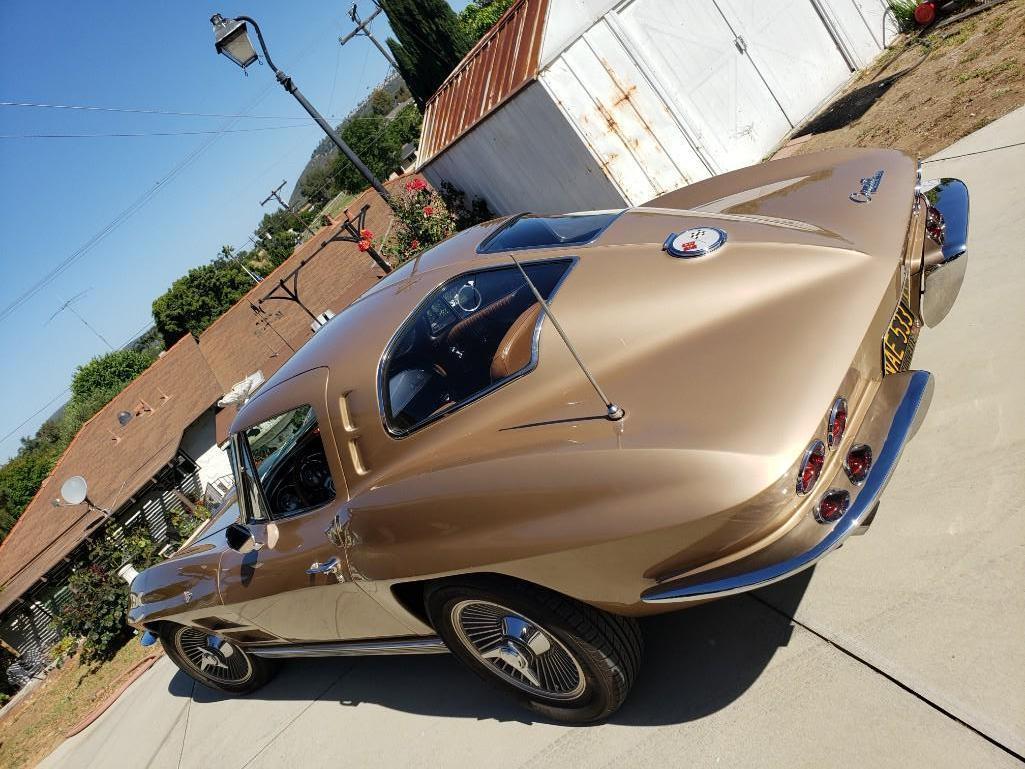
(431, 42)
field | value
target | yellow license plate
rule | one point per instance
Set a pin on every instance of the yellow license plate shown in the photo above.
(899, 344)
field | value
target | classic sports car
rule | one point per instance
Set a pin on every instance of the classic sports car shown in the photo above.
(547, 426)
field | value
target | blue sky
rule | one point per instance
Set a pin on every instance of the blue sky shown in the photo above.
(57, 193)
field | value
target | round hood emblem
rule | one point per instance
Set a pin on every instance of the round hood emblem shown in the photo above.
(696, 241)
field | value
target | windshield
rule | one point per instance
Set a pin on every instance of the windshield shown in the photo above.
(291, 468)
(271, 441)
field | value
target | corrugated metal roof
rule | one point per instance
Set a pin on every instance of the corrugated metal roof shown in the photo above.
(501, 63)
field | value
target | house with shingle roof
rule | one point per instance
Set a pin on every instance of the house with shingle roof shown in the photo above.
(158, 443)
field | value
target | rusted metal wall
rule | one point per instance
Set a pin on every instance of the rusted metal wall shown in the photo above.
(526, 157)
(653, 95)
(501, 63)
(627, 125)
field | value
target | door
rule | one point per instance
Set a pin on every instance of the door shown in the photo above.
(742, 72)
(702, 64)
(295, 584)
(792, 49)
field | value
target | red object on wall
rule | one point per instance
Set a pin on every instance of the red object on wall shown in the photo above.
(925, 14)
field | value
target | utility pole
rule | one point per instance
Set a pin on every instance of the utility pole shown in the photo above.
(229, 252)
(284, 206)
(363, 28)
(68, 306)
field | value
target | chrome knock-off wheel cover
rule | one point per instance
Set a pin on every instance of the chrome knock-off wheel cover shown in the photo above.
(213, 657)
(518, 650)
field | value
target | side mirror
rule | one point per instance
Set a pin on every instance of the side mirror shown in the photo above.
(240, 538)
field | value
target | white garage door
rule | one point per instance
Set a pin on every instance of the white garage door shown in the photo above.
(742, 72)
(792, 49)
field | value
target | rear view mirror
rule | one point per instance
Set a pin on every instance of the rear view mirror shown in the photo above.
(240, 538)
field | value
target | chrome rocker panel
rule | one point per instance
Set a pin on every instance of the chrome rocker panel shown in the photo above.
(906, 420)
(428, 645)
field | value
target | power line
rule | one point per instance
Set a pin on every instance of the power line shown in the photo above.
(67, 389)
(147, 111)
(37, 412)
(150, 133)
(122, 217)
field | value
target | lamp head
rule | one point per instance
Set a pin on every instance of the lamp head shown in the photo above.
(232, 39)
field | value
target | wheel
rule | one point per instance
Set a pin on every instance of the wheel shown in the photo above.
(214, 661)
(560, 658)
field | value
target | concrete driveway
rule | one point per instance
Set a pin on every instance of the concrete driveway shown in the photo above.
(906, 648)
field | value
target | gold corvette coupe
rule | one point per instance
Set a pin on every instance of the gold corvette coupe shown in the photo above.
(547, 426)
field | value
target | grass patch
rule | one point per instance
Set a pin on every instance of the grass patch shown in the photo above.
(38, 724)
(336, 206)
(973, 74)
(903, 14)
(961, 35)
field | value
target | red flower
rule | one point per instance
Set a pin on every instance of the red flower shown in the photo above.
(366, 234)
(416, 185)
(363, 245)
(428, 210)
(415, 245)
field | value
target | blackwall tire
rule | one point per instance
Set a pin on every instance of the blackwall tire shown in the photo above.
(214, 662)
(564, 660)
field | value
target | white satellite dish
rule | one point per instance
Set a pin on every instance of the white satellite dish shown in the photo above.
(74, 490)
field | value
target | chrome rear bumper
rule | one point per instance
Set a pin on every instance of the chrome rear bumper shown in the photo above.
(906, 419)
(941, 281)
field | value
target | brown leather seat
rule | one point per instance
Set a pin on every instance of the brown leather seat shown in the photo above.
(470, 324)
(515, 349)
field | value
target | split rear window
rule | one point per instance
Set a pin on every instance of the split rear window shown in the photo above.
(529, 231)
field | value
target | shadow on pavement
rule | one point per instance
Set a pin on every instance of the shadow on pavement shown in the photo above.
(696, 662)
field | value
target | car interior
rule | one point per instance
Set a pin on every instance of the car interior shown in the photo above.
(292, 466)
(475, 332)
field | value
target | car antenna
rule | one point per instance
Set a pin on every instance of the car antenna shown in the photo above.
(612, 411)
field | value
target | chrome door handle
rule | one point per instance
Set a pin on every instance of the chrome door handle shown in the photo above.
(330, 566)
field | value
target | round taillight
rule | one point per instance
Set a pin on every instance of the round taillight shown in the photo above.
(832, 506)
(837, 423)
(858, 463)
(811, 467)
(935, 226)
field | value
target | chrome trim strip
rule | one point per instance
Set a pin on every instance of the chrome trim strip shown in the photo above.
(428, 645)
(906, 419)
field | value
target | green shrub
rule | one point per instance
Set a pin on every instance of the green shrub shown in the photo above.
(421, 220)
(97, 610)
(98, 607)
(425, 217)
(904, 14)
(183, 522)
(66, 647)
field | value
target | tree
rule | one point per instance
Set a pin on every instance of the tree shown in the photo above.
(318, 186)
(480, 16)
(113, 370)
(197, 299)
(378, 142)
(430, 44)
(20, 479)
(381, 102)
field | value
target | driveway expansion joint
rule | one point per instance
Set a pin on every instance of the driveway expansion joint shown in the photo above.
(889, 677)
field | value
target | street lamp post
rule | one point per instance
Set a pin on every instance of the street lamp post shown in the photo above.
(232, 39)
